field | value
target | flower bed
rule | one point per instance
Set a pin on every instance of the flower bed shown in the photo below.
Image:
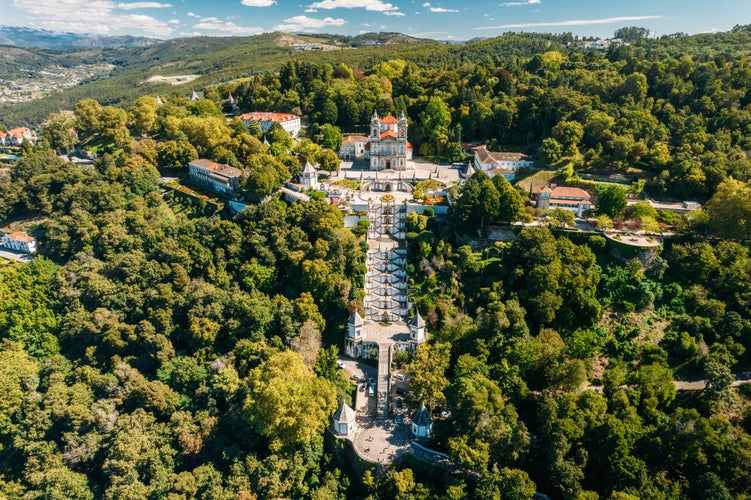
(387, 197)
(435, 200)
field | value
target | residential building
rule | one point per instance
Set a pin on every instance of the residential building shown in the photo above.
(289, 122)
(388, 147)
(500, 163)
(222, 179)
(570, 198)
(16, 136)
(20, 242)
(353, 147)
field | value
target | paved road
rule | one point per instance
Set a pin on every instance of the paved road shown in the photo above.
(18, 257)
(680, 385)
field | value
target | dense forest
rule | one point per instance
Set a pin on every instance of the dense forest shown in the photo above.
(155, 350)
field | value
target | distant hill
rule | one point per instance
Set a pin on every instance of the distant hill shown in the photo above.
(28, 38)
(207, 60)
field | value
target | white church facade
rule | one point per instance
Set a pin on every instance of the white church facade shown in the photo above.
(387, 146)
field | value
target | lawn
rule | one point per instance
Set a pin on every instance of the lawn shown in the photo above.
(538, 180)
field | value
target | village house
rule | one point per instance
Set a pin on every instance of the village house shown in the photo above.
(20, 242)
(572, 199)
(16, 136)
(221, 179)
(500, 163)
(353, 147)
(289, 122)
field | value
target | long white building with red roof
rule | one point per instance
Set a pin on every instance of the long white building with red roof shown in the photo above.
(572, 199)
(220, 178)
(20, 242)
(16, 136)
(289, 122)
(500, 163)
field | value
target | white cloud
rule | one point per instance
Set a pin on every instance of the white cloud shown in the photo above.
(394, 13)
(258, 3)
(102, 17)
(526, 2)
(373, 5)
(438, 9)
(173, 21)
(305, 23)
(226, 27)
(143, 5)
(192, 14)
(580, 22)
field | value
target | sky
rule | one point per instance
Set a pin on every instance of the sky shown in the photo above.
(436, 19)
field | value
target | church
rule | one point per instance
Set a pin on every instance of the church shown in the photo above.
(387, 146)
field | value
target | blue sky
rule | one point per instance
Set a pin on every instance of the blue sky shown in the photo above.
(438, 19)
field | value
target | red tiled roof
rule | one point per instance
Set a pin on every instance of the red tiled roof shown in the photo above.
(484, 155)
(264, 116)
(389, 120)
(569, 192)
(19, 236)
(509, 156)
(218, 167)
(19, 132)
(388, 133)
(351, 140)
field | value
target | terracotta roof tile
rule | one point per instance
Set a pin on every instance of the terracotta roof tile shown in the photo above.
(19, 236)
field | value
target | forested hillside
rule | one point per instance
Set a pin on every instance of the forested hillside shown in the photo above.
(158, 349)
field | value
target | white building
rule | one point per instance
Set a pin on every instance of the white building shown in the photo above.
(222, 179)
(289, 122)
(353, 146)
(388, 147)
(417, 328)
(570, 198)
(16, 136)
(422, 423)
(309, 176)
(20, 242)
(343, 423)
(495, 163)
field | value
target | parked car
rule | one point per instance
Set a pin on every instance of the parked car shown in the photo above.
(371, 381)
(399, 376)
(401, 391)
(340, 363)
(399, 403)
